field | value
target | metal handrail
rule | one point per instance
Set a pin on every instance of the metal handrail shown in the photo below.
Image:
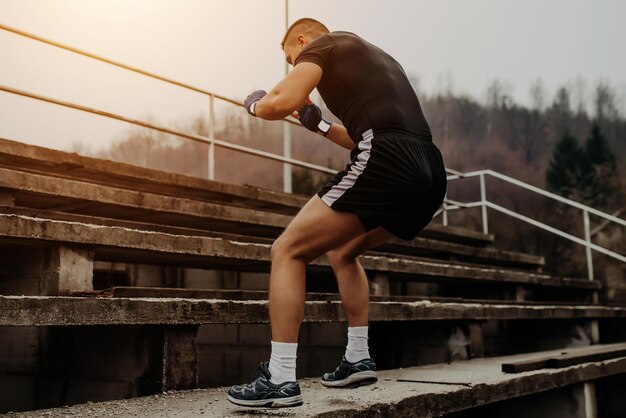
(212, 95)
(458, 175)
(557, 232)
(193, 137)
(455, 205)
(484, 203)
(129, 68)
(600, 227)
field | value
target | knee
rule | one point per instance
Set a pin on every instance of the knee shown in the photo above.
(278, 248)
(340, 257)
(284, 248)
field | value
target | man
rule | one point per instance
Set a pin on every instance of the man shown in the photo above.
(394, 184)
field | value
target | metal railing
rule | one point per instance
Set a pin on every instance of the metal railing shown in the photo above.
(212, 141)
(484, 203)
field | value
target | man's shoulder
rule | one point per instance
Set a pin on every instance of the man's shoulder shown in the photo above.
(327, 45)
(343, 35)
(335, 37)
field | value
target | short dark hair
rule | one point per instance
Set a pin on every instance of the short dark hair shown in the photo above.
(308, 25)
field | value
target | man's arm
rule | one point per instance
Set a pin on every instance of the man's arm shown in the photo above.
(291, 93)
(336, 133)
(339, 135)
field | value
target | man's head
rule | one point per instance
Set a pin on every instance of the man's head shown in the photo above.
(300, 33)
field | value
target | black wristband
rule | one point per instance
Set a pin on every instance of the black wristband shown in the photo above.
(324, 127)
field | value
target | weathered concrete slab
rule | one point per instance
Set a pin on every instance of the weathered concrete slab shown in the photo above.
(263, 227)
(66, 195)
(29, 158)
(566, 358)
(123, 244)
(236, 294)
(416, 392)
(70, 311)
(32, 158)
(486, 255)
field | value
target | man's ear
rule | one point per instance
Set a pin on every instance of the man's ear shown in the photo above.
(302, 41)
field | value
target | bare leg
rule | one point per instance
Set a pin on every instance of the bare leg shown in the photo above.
(351, 278)
(315, 230)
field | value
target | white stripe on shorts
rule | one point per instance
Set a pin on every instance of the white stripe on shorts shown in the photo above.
(355, 170)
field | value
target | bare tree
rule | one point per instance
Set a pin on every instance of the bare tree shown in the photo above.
(561, 112)
(503, 111)
(537, 95)
(532, 121)
(579, 92)
(470, 115)
(604, 102)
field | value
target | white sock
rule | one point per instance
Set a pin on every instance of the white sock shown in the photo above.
(283, 362)
(357, 344)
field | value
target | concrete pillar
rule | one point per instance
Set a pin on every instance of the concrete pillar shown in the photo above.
(180, 358)
(476, 346)
(595, 297)
(45, 270)
(591, 407)
(75, 269)
(379, 285)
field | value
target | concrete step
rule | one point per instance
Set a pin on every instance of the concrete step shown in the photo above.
(236, 294)
(48, 163)
(416, 392)
(72, 311)
(110, 243)
(40, 196)
(566, 358)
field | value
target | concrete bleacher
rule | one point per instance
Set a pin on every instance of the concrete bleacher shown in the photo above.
(163, 279)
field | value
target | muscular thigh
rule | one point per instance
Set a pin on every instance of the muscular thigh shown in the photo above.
(317, 229)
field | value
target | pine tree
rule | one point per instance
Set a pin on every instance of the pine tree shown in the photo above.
(599, 171)
(565, 171)
(588, 175)
(598, 149)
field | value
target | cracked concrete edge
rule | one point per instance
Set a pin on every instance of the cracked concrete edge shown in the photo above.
(71, 311)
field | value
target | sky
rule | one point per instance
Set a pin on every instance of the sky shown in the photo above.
(232, 47)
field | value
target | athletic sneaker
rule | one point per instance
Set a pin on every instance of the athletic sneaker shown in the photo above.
(362, 372)
(263, 393)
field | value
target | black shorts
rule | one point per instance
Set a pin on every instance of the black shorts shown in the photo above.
(394, 180)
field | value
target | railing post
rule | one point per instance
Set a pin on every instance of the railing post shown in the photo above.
(483, 199)
(445, 213)
(212, 137)
(587, 246)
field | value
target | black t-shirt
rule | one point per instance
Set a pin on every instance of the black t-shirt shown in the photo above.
(364, 86)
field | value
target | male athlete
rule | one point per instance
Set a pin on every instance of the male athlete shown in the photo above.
(394, 184)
